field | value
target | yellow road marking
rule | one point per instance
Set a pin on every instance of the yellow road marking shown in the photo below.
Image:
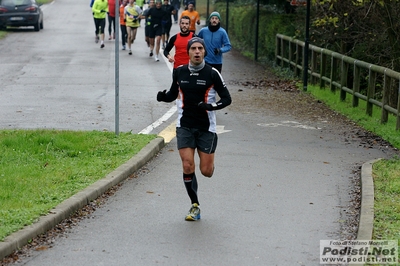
(168, 133)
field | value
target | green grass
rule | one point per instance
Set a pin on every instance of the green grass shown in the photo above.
(43, 1)
(386, 173)
(41, 168)
(387, 200)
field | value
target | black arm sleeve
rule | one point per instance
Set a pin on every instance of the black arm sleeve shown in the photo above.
(172, 94)
(170, 45)
(222, 90)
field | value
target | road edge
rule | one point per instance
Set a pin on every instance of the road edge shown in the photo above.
(62, 211)
(366, 221)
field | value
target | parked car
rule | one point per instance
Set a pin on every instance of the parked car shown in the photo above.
(17, 13)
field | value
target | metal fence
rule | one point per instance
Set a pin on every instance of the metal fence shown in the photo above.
(378, 86)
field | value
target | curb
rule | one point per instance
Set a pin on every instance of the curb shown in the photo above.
(366, 223)
(82, 198)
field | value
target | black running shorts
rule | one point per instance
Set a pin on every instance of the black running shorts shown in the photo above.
(204, 141)
(155, 31)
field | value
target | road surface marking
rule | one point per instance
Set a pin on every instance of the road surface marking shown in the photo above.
(293, 124)
(159, 121)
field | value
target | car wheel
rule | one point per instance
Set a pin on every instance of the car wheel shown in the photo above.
(41, 25)
(37, 26)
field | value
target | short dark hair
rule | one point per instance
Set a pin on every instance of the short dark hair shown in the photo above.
(185, 17)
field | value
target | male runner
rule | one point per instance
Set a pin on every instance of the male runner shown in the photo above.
(198, 85)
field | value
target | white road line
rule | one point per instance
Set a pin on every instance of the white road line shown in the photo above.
(159, 121)
(168, 114)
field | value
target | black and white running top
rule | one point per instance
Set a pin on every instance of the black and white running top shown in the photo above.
(196, 87)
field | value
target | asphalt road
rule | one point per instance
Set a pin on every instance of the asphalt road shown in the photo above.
(59, 77)
(280, 186)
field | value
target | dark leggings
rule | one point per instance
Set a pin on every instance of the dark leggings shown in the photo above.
(123, 34)
(111, 23)
(100, 24)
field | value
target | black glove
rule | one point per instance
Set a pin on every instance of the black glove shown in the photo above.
(217, 51)
(102, 11)
(161, 95)
(205, 106)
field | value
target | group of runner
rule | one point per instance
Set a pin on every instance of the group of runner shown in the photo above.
(158, 22)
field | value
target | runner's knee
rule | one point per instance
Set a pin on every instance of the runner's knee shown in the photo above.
(207, 170)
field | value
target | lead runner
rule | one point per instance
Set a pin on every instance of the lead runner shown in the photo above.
(198, 85)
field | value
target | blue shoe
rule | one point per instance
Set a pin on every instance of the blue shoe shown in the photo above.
(194, 213)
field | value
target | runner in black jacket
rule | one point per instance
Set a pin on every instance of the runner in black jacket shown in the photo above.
(157, 14)
(198, 85)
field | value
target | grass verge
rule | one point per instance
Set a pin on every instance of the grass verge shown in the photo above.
(386, 173)
(41, 168)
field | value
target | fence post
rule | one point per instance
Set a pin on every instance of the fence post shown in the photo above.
(322, 69)
(290, 57)
(356, 83)
(333, 73)
(282, 52)
(398, 110)
(371, 90)
(298, 52)
(314, 63)
(343, 79)
(277, 49)
(385, 97)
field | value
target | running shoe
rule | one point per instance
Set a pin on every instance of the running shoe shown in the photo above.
(194, 213)
(157, 59)
(151, 53)
(123, 47)
(130, 52)
(102, 45)
(96, 40)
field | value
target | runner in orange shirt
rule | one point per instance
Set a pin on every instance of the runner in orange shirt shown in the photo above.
(122, 23)
(193, 15)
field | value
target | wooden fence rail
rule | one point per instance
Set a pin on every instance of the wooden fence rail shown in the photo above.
(378, 86)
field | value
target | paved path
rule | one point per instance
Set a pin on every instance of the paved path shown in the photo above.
(278, 189)
(280, 186)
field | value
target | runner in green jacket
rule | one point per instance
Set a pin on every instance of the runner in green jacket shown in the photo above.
(100, 9)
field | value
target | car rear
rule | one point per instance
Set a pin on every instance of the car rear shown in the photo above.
(19, 13)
